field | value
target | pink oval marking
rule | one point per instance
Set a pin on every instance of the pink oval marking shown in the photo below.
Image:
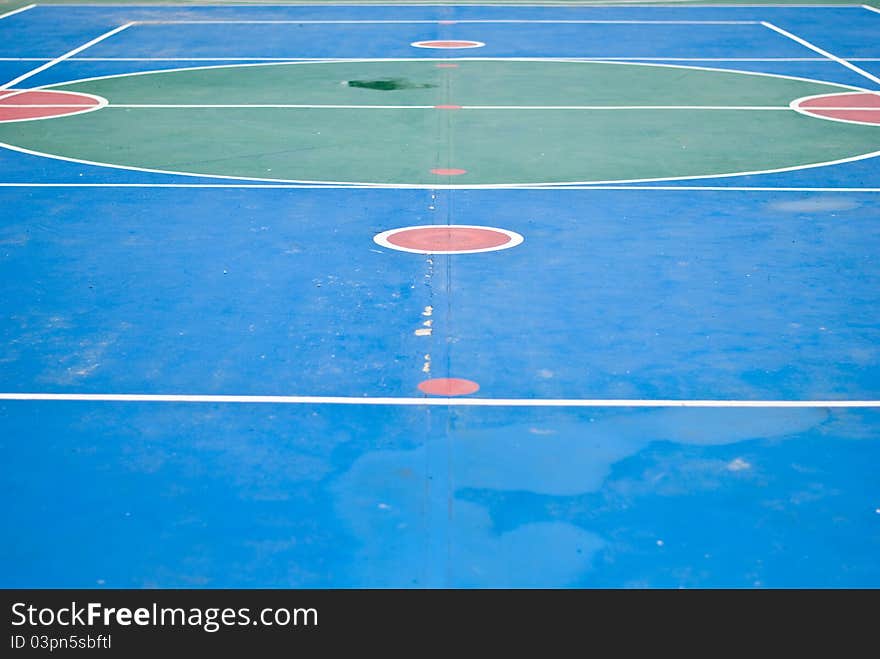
(852, 107)
(447, 43)
(448, 387)
(447, 107)
(43, 104)
(448, 239)
(440, 171)
(445, 65)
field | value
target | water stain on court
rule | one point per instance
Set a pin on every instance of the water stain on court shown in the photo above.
(389, 84)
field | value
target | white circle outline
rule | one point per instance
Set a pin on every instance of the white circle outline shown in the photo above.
(470, 42)
(806, 111)
(381, 239)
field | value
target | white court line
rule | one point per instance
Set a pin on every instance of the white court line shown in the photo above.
(65, 56)
(458, 402)
(305, 106)
(815, 48)
(16, 11)
(438, 21)
(79, 105)
(432, 3)
(336, 59)
(870, 8)
(369, 186)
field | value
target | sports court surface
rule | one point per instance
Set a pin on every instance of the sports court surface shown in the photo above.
(639, 347)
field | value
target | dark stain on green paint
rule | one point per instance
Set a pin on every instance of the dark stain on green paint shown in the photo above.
(389, 84)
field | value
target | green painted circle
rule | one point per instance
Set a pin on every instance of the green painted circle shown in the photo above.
(511, 139)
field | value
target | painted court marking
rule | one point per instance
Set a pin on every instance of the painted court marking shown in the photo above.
(438, 22)
(448, 239)
(825, 53)
(298, 186)
(468, 402)
(317, 106)
(28, 105)
(850, 107)
(449, 387)
(304, 61)
(16, 11)
(613, 184)
(282, 59)
(447, 44)
(67, 55)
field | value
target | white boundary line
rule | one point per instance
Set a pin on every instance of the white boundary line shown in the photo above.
(439, 22)
(65, 56)
(870, 8)
(460, 402)
(816, 49)
(16, 11)
(382, 239)
(284, 60)
(432, 3)
(270, 186)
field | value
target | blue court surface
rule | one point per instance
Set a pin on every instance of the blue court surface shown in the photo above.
(216, 373)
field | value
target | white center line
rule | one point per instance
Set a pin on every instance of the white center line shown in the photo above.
(307, 106)
(303, 106)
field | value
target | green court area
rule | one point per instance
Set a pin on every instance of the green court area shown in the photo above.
(477, 122)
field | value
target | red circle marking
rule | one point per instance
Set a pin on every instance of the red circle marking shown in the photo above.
(447, 107)
(448, 387)
(448, 172)
(861, 107)
(444, 239)
(447, 44)
(445, 65)
(19, 106)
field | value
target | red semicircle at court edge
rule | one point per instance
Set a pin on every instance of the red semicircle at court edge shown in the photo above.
(448, 387)
(857, 107)
(43, 104)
